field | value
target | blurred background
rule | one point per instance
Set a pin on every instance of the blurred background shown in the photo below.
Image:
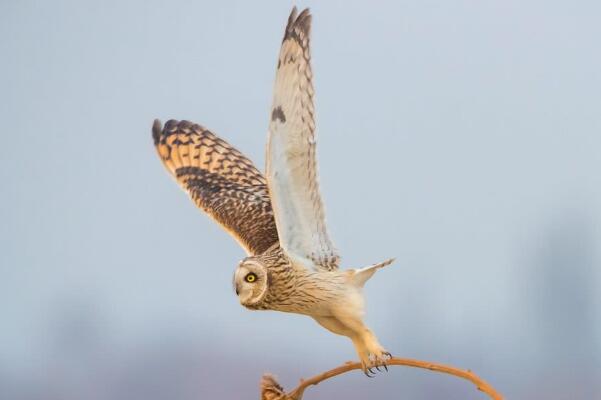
(461, 137)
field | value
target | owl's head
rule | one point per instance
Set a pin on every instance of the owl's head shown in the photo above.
(251, 281)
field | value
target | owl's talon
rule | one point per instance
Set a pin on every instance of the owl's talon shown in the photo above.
(375, 359)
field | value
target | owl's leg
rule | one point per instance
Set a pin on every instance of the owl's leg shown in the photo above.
(377, 354)
(369, 350)
(333, 324)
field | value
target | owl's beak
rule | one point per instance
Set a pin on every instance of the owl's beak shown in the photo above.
(237, 290)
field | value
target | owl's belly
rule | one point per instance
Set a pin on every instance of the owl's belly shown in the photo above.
(313, 293)
(304, 306)
(322, 304)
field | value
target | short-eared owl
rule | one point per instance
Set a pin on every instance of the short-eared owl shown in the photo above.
(279, 219)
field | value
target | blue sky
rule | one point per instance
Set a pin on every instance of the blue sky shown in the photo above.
(461, 137)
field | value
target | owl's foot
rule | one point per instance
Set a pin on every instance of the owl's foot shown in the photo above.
(371, 353)
(375, 361)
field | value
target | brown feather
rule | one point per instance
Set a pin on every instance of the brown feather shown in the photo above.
(220, 180)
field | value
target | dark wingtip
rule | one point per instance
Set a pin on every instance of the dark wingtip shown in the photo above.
(292, 17)
(298, 23)
(157, 128)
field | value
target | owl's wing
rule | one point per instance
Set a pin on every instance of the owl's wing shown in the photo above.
(291, 165)
(220, 180)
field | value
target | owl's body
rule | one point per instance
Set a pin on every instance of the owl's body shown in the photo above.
(333, 298)
(279, 219)
(315, 293)
(296, 289)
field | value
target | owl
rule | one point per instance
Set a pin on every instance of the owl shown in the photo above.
(292, 265)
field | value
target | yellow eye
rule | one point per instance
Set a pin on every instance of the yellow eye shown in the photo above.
(250, 278)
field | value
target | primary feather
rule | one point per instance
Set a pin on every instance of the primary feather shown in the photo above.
(291, 163)
(220, 180)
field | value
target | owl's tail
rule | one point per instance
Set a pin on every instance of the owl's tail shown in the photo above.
(362, 275)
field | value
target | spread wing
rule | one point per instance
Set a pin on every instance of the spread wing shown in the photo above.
(291, 165)
(220, 180)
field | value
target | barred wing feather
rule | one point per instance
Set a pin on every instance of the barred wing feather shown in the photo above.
(291, 163)
(220, 180)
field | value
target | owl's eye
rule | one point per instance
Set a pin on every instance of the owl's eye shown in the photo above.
(251, 277)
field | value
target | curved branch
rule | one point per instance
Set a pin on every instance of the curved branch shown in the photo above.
(271, 390)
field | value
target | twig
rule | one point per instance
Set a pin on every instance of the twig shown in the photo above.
(271, 390)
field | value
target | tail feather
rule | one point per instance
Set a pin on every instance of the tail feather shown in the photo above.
(362, 275)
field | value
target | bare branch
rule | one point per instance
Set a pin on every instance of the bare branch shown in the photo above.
(271, 389)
